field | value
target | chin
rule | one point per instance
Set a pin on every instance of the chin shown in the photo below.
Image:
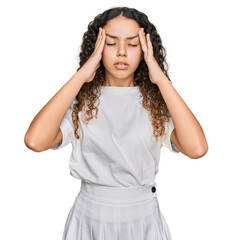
(120, 75)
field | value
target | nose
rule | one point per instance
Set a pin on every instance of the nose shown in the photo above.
(121, 50)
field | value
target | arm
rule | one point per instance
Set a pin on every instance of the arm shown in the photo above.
(44, 131)
(188, 135)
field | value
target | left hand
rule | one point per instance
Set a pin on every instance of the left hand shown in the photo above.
(155, 72)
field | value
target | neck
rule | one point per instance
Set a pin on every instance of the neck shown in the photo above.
(118, 82)
(109, 85)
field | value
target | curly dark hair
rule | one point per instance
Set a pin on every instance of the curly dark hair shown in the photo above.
(152, 99)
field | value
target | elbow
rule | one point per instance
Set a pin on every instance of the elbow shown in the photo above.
(199, 152)
(30, 144)
(33, 147)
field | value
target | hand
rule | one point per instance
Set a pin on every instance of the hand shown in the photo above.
(89, 68)
(155, 72)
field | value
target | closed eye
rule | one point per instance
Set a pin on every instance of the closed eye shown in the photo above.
(110, 44)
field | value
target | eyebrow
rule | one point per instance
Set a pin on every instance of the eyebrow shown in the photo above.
(111, 36)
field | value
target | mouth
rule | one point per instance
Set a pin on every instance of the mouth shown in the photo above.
(121, 65)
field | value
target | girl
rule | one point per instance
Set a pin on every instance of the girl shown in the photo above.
(118, 110)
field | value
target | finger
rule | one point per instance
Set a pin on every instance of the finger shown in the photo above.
(143, 43)
(144, 39)
(144, 36)
(149, 44)
(98, 38)
(101, 38)
(101, 42)
(149, 40)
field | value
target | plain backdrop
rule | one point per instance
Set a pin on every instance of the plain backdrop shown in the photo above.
(40, 42)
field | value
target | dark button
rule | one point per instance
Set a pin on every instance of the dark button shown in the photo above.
(153, 189)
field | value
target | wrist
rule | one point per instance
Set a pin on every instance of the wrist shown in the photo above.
(163, 81)
(80, 76)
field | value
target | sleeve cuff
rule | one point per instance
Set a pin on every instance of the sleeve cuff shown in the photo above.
(67, 131)
(167, 139)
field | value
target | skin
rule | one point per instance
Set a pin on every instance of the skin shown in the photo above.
(188, 135)
(121, 51)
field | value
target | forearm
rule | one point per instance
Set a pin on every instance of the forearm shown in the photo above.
(45, 126)
(189, 132)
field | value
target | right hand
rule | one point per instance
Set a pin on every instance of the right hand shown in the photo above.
(93, 63)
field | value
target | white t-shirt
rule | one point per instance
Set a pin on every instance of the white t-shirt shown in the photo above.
(118, 147)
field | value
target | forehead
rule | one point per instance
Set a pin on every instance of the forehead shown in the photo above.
(122, 27)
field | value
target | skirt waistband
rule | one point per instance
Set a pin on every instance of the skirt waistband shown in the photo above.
(118, 194)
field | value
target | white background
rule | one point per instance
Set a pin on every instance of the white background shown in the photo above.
(40, 41)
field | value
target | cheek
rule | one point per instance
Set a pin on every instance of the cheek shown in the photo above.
(136, 55)
(106, 54)
(107, 57)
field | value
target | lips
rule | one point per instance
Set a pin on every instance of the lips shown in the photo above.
(121, 63)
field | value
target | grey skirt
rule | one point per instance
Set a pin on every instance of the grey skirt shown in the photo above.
(116, 213)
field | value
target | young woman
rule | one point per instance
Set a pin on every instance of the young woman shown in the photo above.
(117, 111)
